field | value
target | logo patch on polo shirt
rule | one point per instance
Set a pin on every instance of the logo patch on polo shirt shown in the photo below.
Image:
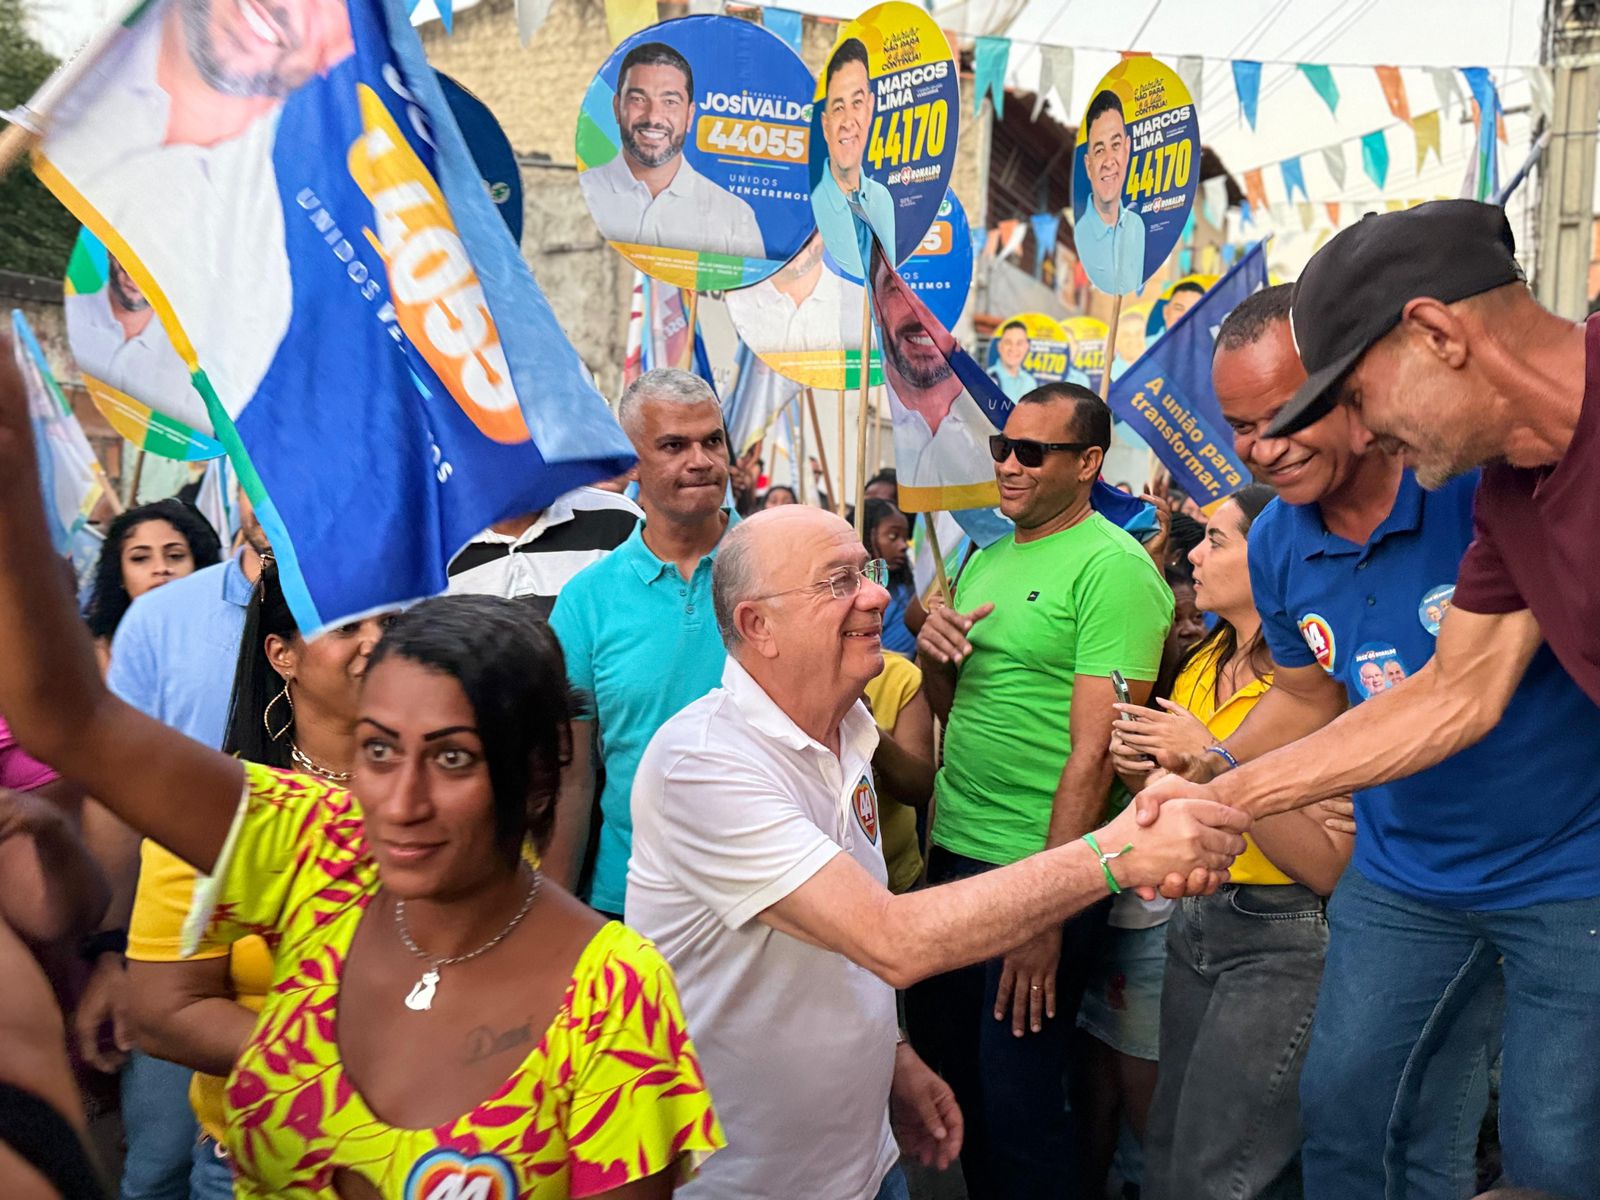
(1319, 638)
(866, 806)
(1032, 596)
(1377, 668)
(1435, 604)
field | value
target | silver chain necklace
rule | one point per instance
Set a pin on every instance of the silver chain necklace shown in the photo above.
(306, 763)
(420, 998)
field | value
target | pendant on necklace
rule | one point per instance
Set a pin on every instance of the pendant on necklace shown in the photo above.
(421, 997)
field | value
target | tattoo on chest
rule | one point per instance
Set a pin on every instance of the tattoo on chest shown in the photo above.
(484, 1042)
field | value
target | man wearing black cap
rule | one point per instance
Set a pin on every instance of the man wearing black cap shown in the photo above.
(1470, 860)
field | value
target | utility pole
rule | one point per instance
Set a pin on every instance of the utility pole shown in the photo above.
(1565, 228)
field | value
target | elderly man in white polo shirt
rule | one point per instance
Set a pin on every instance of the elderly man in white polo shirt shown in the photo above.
(758, 870)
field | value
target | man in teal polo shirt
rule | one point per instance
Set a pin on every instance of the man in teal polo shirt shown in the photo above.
(637, 628)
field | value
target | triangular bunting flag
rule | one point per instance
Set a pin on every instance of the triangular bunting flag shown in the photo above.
(1214, 199)
(1045, 227)
(1321, 79)
(1305, 214)
(1445, 84)
(1333, 212)
(624, 18)
(1541, 93)
(786, 23)
(531, 16)
(1055, 71)
(1488, 152)
(1394, 91)
(1294, 177)
(1375, 157)
(1247, 82)
(1333, 159)
(989, 73)
(1191, 69)
(1426, 128)
(1011, 235)
(1246, 217)
(1393, 205)
(1255, 190)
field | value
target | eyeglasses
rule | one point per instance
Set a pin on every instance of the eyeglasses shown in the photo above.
(1029, 452)
(843, 583)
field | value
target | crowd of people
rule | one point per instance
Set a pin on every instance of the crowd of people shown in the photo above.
(686, 844)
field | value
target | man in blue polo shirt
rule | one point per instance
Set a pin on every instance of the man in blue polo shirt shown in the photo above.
(637, 628)
(1492, 854)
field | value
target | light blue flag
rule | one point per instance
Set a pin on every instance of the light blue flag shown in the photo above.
(1294, 177)
(784, 22)
(1488, 147)
(1247, 82)
(1321, 79)
(989, 60)
(1375, 157)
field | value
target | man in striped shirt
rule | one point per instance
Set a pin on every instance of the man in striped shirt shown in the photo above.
(532, 557)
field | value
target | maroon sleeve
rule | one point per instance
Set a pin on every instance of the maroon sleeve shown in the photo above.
(1483, 584)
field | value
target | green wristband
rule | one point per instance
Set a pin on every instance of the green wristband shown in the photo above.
(1105, 862)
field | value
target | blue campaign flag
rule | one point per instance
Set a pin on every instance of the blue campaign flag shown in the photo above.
(1167, 395)
(374, 353)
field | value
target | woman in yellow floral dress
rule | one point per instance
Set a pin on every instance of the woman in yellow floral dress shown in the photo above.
(441, 1025)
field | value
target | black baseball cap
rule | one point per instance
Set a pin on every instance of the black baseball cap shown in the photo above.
(1353, 290)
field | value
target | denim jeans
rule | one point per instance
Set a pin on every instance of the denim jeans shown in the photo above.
(894, 1185)
(160, 1127)
(1243, 968)
(1410, 1016)
(211, 1177)
(1020, 1141)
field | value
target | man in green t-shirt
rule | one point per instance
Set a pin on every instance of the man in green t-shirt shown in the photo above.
(1020, 671)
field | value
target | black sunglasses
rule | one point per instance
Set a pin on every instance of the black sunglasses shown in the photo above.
(1029, 452)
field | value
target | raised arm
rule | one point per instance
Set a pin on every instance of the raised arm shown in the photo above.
(155, 779)
(1440, 710)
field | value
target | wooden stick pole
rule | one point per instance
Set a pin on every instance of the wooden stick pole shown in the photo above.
(138, 472)
(691, 309)
(802, 468)
(838, 501)
(929, 519)
(15, 142)
(822, 444)
(875, 459)
(1111, 345)
(861, 411)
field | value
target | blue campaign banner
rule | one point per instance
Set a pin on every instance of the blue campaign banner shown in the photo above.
(693, 148)
(940, 272)
(1135, 173)
(374, 353)
(1167, 395)
(490, 149)
(883, 141)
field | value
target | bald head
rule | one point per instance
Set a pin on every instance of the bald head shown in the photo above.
(758, 554)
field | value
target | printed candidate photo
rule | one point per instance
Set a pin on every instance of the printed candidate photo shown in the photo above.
(693, 149)
(1110, 235)
(845, 187)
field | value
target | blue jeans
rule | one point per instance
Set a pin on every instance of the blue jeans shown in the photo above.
(211, 1177)
(1021, 1141)
(1243, 967)
(161, 1129)
(894, 1185)
(1407, 1022)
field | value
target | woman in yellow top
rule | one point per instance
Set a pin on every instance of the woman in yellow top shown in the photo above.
(438, 1024)
(903, 764)
(1243, 965)
(294, 707)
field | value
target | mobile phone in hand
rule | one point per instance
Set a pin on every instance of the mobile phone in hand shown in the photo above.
(1120, 686)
